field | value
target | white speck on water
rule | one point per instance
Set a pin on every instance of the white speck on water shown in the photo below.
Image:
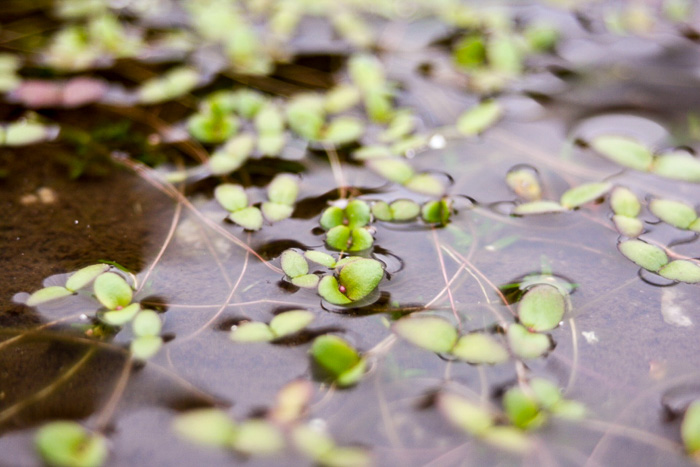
(318, 424)
(76, 221)
(674, 304)
(437, 141)
(83, 317)
(590, 336)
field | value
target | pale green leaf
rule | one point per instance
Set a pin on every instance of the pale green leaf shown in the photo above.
(538, 207)
(84, 276)
(524, 183)
(275, 212)
(283, 189)
(353, 375)
(257, 437)
(381, 211)
(120, 317)
(294, 264)
(344, 130)
(675, 213)
(678, 166)
(67, 444)
(625, 151)
(147, 323)
(428, 332)
(231, 197)
(526, 344)
(479, 118)
(209, 427)
(393, 169)
(249, 218)
(624, 202)
(690, 428)
(360, 277)
(647, 256)
(682, 271)
(290, 322)
(112, 291)
(479, 348)
(403, 210)
(541, 308)
(628, 226)
(464, 414)
(321, 258)
(143, 348)
(426, 184)
(583, 194)
(47, 294)
(345, 457)
(307, 281)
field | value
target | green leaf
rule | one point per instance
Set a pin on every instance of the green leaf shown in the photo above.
(283, 189)
(269, 120)
(25, 132)
(678, 166)
(624, 202)
(345, 457)
(306, 115)
(508, 438)
(538, 207)
(628, 226)
(382, 211)
(675, 213)
(290, 322)
(248, 102)
(393, 169)
(426, 184)
(469, 52)
(583, 194)
(47, 294)
(479, 348)
(271, 144)
(84, 276)
(346, 260)
(437, 212)
(338, 237)
(465, 414)
(252, 331)
(522, 410)
(344, 130)
(341, 98)
(321, 258)
(525, 184)
(546, 393)
(112, 291)
(401, 125)
(353, 375)
(121, 317)
(372, 152)
(504, 55)
(294, 264)
(647, 256)
(682, 271)
(361, 239)
(526, 344)
(232, 156)
(429, 332)
(334, 354)
(479, 118)
(144, 347)
(570, 410)
(624, 151)
(328, 288)
(360, 277)
(311, 441)
(175, 83)
(332, 217)
(357, 213)
(307, 281)
(231, 197)
(541, 308)
(275, 212)
(257, 437)
(147, 323)
(403, 210)
(249, 218)
(208, 427)
(211, 127)
(67, 444)
(690, 428)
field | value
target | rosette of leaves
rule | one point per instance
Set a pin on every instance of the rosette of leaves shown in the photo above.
(234, 199)
(626, 208)
(347, 227)
(282, 193)
(529, 409)
(440, 336)
(357, 279)
(296, 268)
(570, 200)
(339, 359)
(654, 259)
(67, 444)
(282, 325)
(481, 423)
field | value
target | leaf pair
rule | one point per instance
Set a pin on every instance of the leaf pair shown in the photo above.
(283, 325)
(147, 340)
(282, 193)
(626, 207)
(654, 259)
(75, 282)
(234, 199)
(67, 444)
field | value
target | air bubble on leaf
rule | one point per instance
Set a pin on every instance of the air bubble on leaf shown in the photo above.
(428, 332)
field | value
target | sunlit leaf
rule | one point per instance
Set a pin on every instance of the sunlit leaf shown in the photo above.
(681, 270)
(678, 166)
(257, 437)
(290, 322)
(112, 291)
(332, 217)
(252, 331)
(231, 197)
(538, 207)
(403, 210)
(209, 427)
(690, 428)
(144, 347)
(393, 169)
(344, 130)
(275, 212)
(361, 239)
(541, 308)
(307, 281)
(294, 264)
(328, 288)
(67, 444)
(249, 218)
(283, 189)
(628, 226)
(525, 183)
(429, 332)
(381, 211)
(624, 202)
(647, 256)
(464, 414)
(479, 348)
(625, 151)
(147, 323)
(334, 354)
(84, 276)
(321, 258)
(338, 237)
(675, 213)
(522, 410)
(526, 344)
(120, 317)
(477, 119)
(47, 294)
(426, 184)
(583, 194)
(357, 213)
(360, 277)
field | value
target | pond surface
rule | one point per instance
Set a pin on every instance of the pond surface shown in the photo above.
(627, 347)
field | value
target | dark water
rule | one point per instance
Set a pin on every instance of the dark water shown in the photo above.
(628, 350)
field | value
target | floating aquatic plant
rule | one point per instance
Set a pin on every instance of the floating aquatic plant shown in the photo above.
(234, 199)
(357, 278)
(338, 358)
(282, 325)
(68, 444)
